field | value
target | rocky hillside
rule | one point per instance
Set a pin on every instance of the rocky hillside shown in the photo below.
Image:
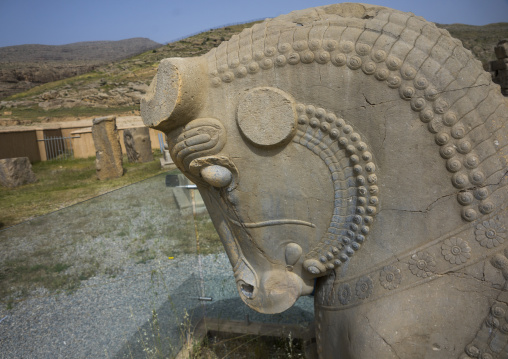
(479, 39)
(117, 87)
(26, 66)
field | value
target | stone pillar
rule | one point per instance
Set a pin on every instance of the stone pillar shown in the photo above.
(137, 144)
(39, 133)
(16, 172)
(499, 68)
(107, 148)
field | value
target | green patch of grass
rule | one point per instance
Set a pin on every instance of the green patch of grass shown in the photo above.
(16, 276)
(145, 255)
(89, 273)
(61, 183)
(122, 233)
(59, 267)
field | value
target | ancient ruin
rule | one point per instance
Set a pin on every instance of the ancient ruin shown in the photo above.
(16, 172)
(360, 152)
(137, 144)
(499, 68)
(108, 163)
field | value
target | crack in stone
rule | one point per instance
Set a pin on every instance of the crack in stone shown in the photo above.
(384, 137)
(367, 100)
(376, 104)
(429, 207)
(440, 198)
(402, 210)
(469, 276)
(464, 88)
(383, 339)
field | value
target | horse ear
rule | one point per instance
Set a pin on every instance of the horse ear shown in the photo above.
(267, 117)
(176, 94)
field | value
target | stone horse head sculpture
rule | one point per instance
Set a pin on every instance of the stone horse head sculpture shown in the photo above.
(360, 151)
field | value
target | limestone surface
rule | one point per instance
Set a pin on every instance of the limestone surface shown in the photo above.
(137, 144)
(108, 151)
(361, 153)
(16, 172)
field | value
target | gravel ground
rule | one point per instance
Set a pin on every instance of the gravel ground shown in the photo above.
(139, 303)
(108, 318)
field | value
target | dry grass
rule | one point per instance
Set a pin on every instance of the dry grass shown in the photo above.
(249, 347)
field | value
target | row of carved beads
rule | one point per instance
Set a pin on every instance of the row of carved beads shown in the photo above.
(383, 67)
(435, 111)
(423, 264)
(456, 149)
(336, 248)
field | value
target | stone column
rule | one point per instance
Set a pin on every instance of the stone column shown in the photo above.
(137, 144)
(39, 133)
(107, 148)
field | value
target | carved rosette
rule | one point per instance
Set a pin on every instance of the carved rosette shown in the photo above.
(490, 233)
(443, 255)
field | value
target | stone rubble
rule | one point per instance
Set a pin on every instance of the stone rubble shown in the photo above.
(16, 172)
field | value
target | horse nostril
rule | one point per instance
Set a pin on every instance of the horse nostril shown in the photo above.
(247, 290)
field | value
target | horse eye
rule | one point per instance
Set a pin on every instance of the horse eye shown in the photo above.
(217, 176)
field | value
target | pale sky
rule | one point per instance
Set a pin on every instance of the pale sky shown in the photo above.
(58, 22)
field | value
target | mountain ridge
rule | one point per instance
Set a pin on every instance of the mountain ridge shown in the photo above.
(25, 66)
(101, 51)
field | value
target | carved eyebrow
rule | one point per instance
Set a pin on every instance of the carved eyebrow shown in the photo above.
(273, 222)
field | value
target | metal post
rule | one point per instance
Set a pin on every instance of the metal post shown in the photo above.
(70, 147)
(53, 147)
